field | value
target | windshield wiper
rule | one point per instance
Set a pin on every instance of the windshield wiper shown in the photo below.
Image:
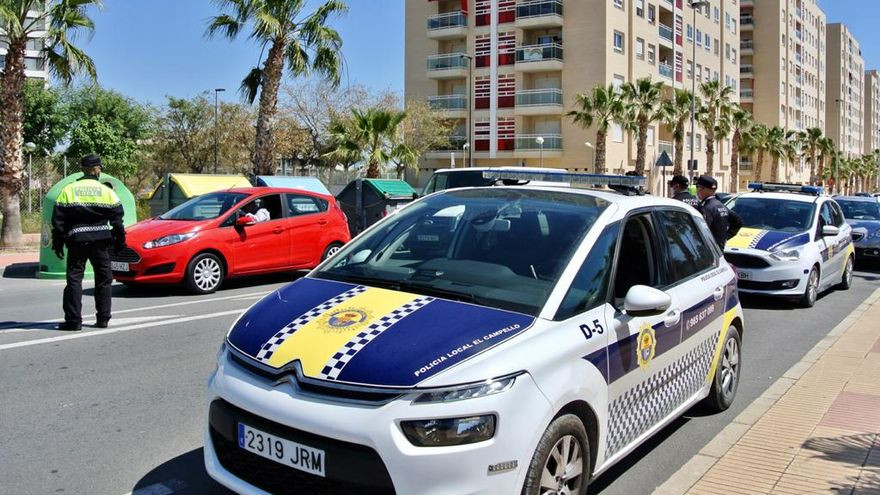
(430, 290)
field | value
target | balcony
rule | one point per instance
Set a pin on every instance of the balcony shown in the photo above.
(539, 58)
(667, 35)
(666, 70)
(747, 71)
(668, 5)
(747, 23)
(539, 102)
(539, 14)
(453, 106)
(455, 145)
(747, 95)
(747, 47)
(747, 3)
(528, 147)
(451, 25)
(448, 66)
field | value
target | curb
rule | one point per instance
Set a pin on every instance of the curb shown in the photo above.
(692, 471)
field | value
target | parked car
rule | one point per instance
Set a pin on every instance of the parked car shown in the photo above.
(209, 238)
(863, 215)
(475, 341)
(794, 243)
(452, 178)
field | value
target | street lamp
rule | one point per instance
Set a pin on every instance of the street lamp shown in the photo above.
(540, 141)
(216, 132)
(589, 145)
(466, 148)
(30, 147)
(695, 4)
(470, 92)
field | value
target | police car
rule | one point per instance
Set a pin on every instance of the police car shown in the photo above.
(795, 242)
(480, 341)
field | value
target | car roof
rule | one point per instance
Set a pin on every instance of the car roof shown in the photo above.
(272, 190)
(861, 199)
(513, 169)
(622, 200)
(803, 198)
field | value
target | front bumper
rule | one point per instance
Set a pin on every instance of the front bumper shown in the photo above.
(780, 278)
(379, 458)
(867, 251)
(150, 266)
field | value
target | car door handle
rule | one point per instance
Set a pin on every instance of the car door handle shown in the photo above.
(277, 230)
(672, 318)
(322, 222)
(718, 293)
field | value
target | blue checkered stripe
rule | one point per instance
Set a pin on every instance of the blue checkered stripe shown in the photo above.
(273, 343)
(646, 404)
(338, 361)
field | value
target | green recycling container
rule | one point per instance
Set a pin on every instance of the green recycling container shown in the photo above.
(50, 266)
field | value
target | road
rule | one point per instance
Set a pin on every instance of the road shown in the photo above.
(121, 410)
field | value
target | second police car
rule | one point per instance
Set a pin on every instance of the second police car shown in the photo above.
(480, 341)
(794, 242)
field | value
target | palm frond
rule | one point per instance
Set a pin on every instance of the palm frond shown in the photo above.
(224, 24)
(250, 85)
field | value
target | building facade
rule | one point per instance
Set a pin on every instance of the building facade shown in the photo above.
(845, 91)
(872, 112)
(530, 58)
(35, 63)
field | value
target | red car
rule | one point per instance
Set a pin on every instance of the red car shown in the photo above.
(217, 235)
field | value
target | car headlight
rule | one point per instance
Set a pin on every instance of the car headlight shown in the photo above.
(449, 431)
(169, 240)
(483, 389)
(786, 255)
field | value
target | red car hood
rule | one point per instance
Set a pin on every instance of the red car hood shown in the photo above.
(152, 229)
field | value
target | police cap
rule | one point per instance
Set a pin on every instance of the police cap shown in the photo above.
(90, 161)
(680, 180)
(707, 181)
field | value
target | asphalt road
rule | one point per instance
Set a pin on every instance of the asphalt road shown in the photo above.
(122, 410)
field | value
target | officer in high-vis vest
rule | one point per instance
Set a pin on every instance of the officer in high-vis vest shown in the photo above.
(88, 220)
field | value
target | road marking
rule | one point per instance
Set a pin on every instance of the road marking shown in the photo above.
(96, 333)
(164, 488)
(118, 322)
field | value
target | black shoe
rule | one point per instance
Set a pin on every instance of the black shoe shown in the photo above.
(102, 323)
(69, 326)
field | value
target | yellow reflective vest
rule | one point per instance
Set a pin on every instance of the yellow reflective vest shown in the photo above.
(87, 210)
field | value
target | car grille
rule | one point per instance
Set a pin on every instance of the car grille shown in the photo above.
(350, 468)
(754, 285)
(746, 260)
(857, 236)
(127, 255)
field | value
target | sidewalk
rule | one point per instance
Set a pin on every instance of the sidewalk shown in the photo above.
(816, 430)
(28, 253)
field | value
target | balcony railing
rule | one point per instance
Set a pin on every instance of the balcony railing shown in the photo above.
(746, 21)
(539, 53)
(448, 102)
(528, 142)
(666, 32)
(447, 61)
(666, 70)
(538, 97)
(448, 20)
(747, 93)
(456, 143)
(747, 45)
(746, 69)
(537, 8)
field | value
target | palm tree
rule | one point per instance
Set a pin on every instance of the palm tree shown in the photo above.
(778, 147)
(601, 108)
(826, 150)
(716, 103)
(371, 133)
(63, 21)
(810, 141)
(302, 42)
(755, 142)
(676, 111)
(740, 123)
(643, 104)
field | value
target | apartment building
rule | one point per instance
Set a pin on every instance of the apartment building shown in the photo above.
(35, 63)
(845, 92)
(783, 72)
(872, 111)
(530, 59)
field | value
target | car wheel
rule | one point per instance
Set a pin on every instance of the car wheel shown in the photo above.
(811, 293)
(726, 379)
(204, 274)
(331, 250)
(561, 464)
(846, 280)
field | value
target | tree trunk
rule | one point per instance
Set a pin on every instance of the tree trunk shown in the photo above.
(710, 152)
(734, 162)
(759, 166)
(774, 172)
(600, 151)
(264, 149)
(812, 166)
(641, 143)
(679, 148)
(11, 115)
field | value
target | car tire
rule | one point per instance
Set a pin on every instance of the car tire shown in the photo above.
(727, 373)
(847, 278)
(204, 273)
(566, 435)
(811, 291)
(332, 249)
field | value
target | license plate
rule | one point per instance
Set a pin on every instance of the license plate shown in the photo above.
(118, 266)
(744, 275)
(282, 451)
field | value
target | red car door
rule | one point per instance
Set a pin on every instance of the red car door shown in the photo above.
(262, 245)
(308, 220)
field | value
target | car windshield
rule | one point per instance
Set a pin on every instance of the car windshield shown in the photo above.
(204, 207)
(451, 180)
(774, 214)
(860, 210)
(499, 247)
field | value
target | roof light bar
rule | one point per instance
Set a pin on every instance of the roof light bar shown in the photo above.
(591, 180)
(795, 188)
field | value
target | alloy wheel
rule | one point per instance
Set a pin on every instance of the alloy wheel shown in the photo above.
(207, 274)
(813, 286)
(730, 367)
(563, 469)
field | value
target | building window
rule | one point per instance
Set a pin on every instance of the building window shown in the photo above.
(617, 133)
(690, 33)
(650, 140)
(690, 70)
(618, 42)
(708, 42)
(640, 8)
(717, 15)
(618, 4)
(717, 46)
(640, 49)
(652, 14)
(617, 81)
(699, 72)
(699, 38)
(699, 142)
(652, 51)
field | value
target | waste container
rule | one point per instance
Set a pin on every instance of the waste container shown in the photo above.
(366, 201)
(176, 189)
(50, 266)
(312, 184)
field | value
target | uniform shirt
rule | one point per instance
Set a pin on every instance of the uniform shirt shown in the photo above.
(687, 198)
(87, 210)
(723, 223)
(262, 215)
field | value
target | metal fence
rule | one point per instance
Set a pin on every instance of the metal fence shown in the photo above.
(39, 175)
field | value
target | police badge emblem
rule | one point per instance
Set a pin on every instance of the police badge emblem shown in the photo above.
(346, 318)
(645, 346)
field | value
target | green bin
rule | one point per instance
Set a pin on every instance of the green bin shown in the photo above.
(50, 266)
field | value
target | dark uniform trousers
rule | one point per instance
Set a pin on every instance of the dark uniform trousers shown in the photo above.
(98, 253)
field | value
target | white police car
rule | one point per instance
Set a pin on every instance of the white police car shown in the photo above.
(452, 178)
(795, 242)
(479, 341)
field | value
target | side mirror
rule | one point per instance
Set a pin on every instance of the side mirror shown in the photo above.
(243, 221)
(830, 231)
(642, 300)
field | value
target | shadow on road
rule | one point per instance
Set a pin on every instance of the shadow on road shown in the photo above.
(21, 270)
(27, 325)
(183, 475)
(135, 291)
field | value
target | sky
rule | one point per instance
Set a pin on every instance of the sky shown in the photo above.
(147, 49)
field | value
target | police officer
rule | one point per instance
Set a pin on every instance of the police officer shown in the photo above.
(87, 219)
(723, 223)
(679, 186)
